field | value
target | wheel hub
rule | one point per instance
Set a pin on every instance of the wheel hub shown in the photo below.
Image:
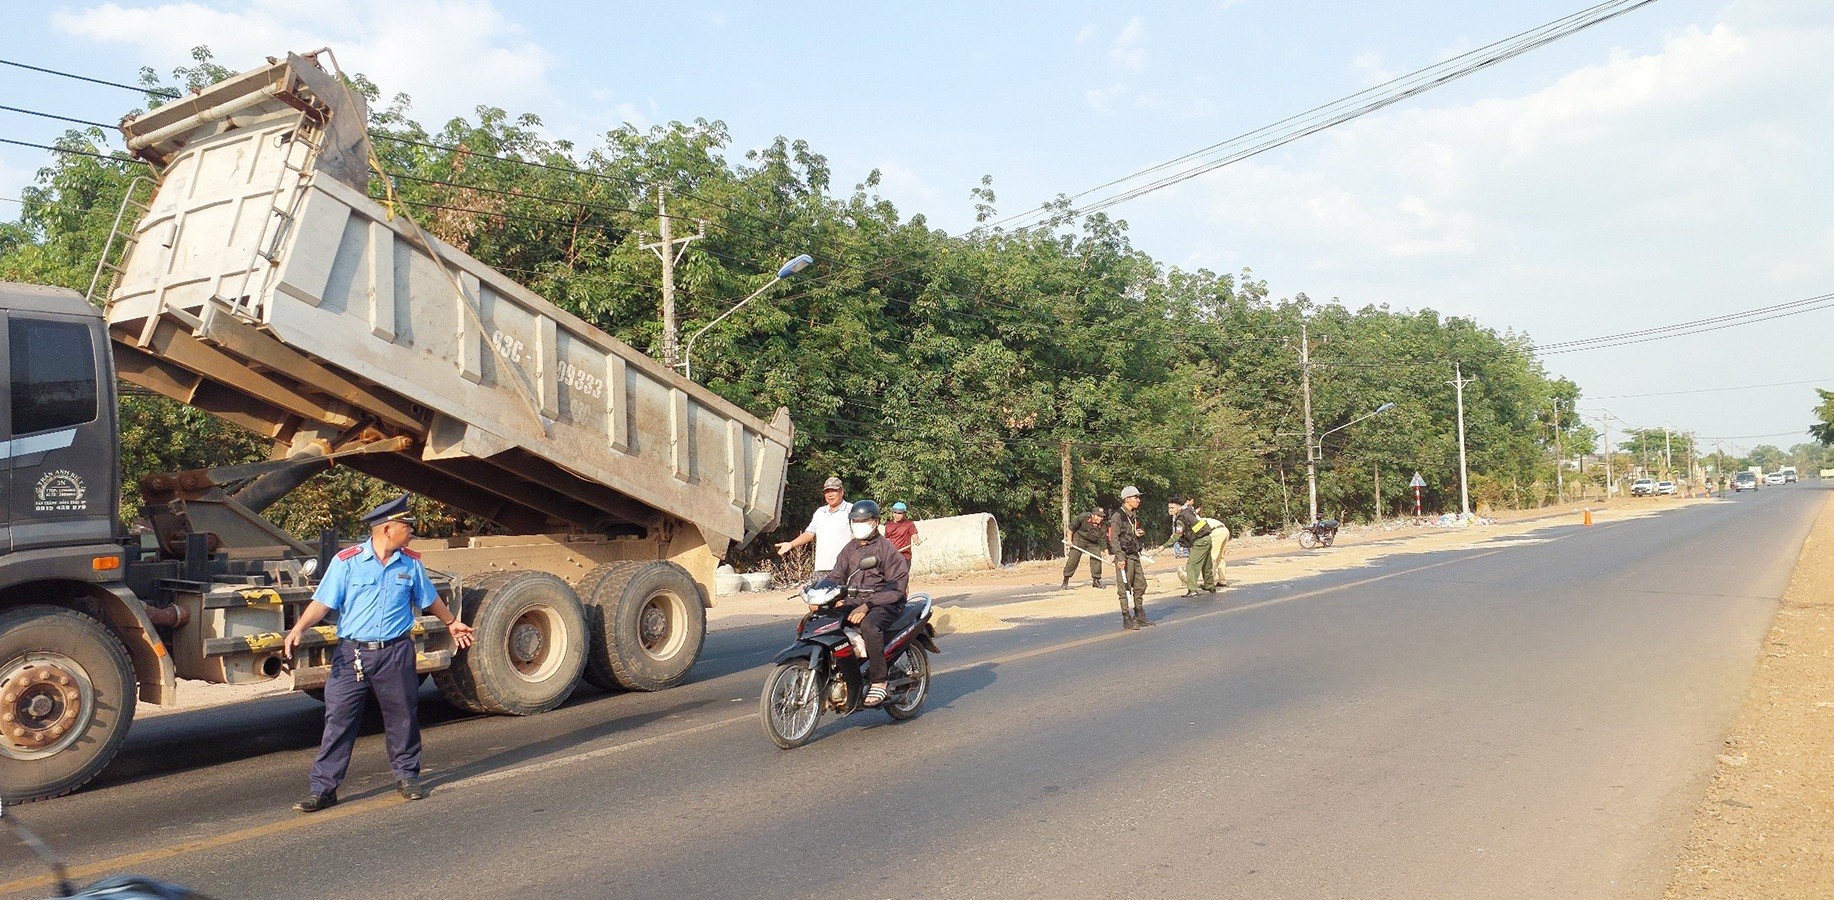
(525, 642)
(653, 628)
(39, 705)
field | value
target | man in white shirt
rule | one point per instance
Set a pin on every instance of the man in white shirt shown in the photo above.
(828, 528)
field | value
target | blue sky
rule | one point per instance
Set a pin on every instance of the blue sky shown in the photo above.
(1668, 165)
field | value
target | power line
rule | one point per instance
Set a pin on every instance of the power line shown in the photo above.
(157, 92)
(1335, 113)
(46, 115)
(71, 150)
(1739, 387)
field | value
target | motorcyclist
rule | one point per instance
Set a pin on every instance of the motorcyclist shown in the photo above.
(881, 590)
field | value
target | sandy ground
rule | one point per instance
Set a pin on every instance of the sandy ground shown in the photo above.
(1766, 827)
(1254, 559)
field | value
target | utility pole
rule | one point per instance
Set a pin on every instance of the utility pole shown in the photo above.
(1311, 457)
(1066, 492)
(1668, 453)
(1458, 383)
(1560, 460)
(1605, 420)
(669, 254)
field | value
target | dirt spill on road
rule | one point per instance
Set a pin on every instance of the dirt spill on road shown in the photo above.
(1766, 827)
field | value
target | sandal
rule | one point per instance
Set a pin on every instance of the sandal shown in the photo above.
(876, 695)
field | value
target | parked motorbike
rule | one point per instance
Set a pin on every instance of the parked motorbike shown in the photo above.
(825, 669)
(1318, 534)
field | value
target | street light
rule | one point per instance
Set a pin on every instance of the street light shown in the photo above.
(789, 268)
(1315, 449)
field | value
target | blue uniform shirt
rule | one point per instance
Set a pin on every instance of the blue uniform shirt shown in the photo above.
(375, 602)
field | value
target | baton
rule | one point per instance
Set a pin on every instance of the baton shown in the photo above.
(1083, 552)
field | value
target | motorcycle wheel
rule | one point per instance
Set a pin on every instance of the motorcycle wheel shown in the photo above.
(1329, 538)
(915, 663)
(788, 722)
(1308, 540)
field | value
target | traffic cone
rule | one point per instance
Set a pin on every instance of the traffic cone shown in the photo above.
(1588, 516)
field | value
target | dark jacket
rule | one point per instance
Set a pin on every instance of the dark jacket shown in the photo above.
(887, 584)
(1085, 531)
(1124, 533)
(1187, 527)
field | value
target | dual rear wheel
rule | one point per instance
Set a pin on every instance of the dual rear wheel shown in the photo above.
(630, 625)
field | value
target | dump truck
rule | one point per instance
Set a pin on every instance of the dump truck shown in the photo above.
(256, 279)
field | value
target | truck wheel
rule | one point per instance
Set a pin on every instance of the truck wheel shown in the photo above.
(530, 647)
(598, 672)
(650, 625)
(67, 695)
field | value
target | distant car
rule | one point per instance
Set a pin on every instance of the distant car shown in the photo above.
(1789, 475)
(1643, 487)
(1665, 487)
(1744, 481)
(1774, 478)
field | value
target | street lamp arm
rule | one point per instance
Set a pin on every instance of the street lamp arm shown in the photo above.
(688, 350)
(1379, 410)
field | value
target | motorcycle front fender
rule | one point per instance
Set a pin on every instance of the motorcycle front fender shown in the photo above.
(800, 650)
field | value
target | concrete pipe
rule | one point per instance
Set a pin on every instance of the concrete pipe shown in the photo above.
(956, 544)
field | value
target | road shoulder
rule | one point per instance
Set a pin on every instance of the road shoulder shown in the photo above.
(1766, 827)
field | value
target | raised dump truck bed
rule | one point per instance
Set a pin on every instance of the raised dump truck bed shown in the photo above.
(265, 285)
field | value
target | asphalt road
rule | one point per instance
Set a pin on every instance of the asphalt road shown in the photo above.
(1530, 719)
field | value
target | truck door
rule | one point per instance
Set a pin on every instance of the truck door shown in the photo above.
(60, 447)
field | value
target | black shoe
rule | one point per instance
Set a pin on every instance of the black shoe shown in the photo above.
(1097, 583)
(1142, 619)
(411, 789)
(1190, 593)
(315, 802)
(1129, 624)
(1065, 586)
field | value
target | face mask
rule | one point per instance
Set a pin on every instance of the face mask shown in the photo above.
(862, 530)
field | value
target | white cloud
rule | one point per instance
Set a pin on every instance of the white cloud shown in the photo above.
(1643, 189)
(1103, 99)
(1085, 34)
(447, 55)
(1129, 48)
(716, 19)
(1370, 70)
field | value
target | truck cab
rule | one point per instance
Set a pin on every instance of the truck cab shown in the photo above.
(77, 649)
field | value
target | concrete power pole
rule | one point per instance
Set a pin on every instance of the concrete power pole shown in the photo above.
(1305, 382)
(1458, 383)
(1605, 420)
(669, 254)
(1560, 461)
(1668, 454)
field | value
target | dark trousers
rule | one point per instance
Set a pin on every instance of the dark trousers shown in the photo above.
(872, 631)
(1076, 555)
(1132, 576)
(389, 674)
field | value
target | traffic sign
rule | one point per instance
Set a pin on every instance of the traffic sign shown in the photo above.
(1418, 482)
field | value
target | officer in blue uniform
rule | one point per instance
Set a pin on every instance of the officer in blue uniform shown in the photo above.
(376, 588)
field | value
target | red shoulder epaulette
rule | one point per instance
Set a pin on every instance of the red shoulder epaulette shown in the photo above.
(350, 552)
(410, 554)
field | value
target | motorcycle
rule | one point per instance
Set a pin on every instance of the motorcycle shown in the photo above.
(119, 887)
(825, 668)
(1318, 534)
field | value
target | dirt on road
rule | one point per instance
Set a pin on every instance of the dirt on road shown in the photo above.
(1766, 827)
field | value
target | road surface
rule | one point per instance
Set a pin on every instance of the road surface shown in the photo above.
(1529, 719)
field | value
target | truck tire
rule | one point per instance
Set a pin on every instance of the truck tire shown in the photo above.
(67, 694)
(529, 650)
(650, 623)
(598, 671)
